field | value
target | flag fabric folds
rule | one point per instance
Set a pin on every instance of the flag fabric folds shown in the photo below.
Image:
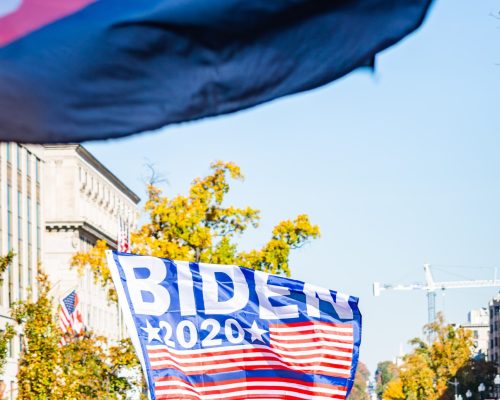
(91, 69)
(70, 317)
(213, 332)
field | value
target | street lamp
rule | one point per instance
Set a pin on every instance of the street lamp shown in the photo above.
(496, 381)
(455, 384)
(468, 394)
(481, 388)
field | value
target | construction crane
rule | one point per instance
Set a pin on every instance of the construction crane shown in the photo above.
(431, 286)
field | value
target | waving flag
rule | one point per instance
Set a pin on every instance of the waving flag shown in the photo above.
(123, 240)
(70, 317)
(211, 332)
(77, 70)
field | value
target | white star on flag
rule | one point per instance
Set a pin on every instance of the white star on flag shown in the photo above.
(153, 333)
(256, 332)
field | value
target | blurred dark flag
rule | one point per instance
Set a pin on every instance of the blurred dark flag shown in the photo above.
(83, 69)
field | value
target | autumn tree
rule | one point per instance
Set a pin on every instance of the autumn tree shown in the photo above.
(394, 390)
(386, 372)
(426, 371)
(199, 227)
(471, 375)
(39, 374)
(92, 369)
(8, 332)
(359, 389)
(88, 367)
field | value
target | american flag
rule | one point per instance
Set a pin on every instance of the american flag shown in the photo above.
(70, 318)
(123, 242)
(282, 363)
(223, 332)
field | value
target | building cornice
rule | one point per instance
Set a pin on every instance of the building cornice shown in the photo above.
(84, 226)
(95, 163)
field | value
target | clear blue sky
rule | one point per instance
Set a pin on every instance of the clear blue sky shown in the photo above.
(399, 168)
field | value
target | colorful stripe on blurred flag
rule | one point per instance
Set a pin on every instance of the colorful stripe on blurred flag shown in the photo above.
(79, 70)
(123, 242)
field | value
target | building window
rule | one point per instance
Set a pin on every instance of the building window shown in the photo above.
(1, 205)
(30, 246)
(38, 234)
(11, 284)
(19, 214)
(10, 235)
(10, 238)
(20, 283)
(9, 217)
(29, 220)
(18, 151)
(10, 348)
(37, 170)
(20, 277)
(496, 342)
(7, 147)
(28, 166)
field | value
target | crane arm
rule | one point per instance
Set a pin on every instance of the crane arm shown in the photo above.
(431, 286)
(466, 284)
(379, 287)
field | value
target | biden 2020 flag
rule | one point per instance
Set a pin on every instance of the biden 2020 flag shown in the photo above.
(77, 70)
(212, 332)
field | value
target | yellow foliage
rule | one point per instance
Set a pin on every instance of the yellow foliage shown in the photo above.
(450, 350)
(426, 371)
(394, 391)
(8, 333)
(86, 368)
(418, 377)
(199, 228)
(38, 374)
(95, 258)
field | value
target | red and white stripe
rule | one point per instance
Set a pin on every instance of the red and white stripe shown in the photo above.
(310, 348)
(123, 241)
(247, 388)
(70, 322)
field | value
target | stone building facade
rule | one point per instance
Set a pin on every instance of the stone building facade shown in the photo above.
(83, 202)
(478, 324)
(56, 200)
(494, 331)
(21, 230)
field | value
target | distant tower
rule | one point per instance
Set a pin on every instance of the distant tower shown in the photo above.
(478, 324)
(494, 332)
(399, 359)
